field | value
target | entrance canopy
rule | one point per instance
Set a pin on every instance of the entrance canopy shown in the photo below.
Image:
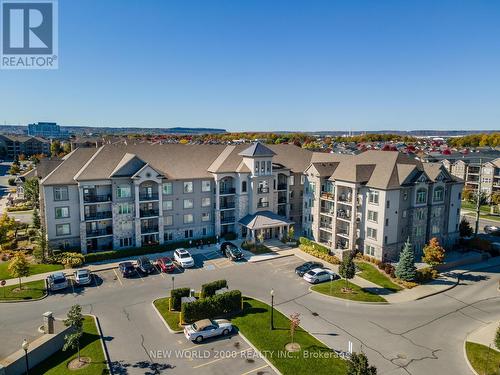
(264, 220)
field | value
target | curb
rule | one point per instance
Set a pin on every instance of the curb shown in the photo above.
(103, 345)
(260, 354)
(348, 300)
(467, 359)
(163, 320)
(271, 258)
(457, 281)
(30, 300)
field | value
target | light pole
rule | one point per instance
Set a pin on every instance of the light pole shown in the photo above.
(272, 309)
(173, 281)
(25, 345)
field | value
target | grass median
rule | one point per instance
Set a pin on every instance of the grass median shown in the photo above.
(334, 289)
(371, 273)
(91, 347)
(30, 290)
(170, 317)
(313, 358)
(483, 362)
(34, 269)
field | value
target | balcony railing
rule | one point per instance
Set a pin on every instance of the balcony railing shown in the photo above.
(226, 220)
(100, 232)
(148, 197)
(262, 190)
(149, 213)
(262, 204)
(225, 205)
(97, 198)
(328, 211)
(227, 190)
(282, 186)
(326, 225)
(342, 232)
(282, 200)
(99, 215)
(145, 230)
(343, 214)
(327, 195)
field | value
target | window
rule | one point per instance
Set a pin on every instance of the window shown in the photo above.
(205, 216)
(385, 240)
(388, 204)
(204, 232)
(168, 220)
(421, 196)
(302, 179)
(420, 214)
(244, 187)
(292, 180)
(373, 216)
(405, 195)
(125, 242)
(269, 167)
(438, 194)
(419, 231)
(435, 229)
(262, 167)
(256, 167)
(188, 233)
(205, 202)
(205, 185)
(61, 193)
(405, 212)
(437, 211)
(123, 192)
(63, 229)
(62, 212)
(167, 188)
(370, 250)
(188, 187)
(386, 222)
(373, 197)
(126, 226)
(188, 219)
(168, 205)
(371, 233)
(168, 236)
(124, 208)
(188, 203)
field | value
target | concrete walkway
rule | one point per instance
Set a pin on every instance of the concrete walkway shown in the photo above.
(485, 335)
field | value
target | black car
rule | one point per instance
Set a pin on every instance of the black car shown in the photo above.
(233, 253)
(303, 268)
(127, 269)
(145, 266)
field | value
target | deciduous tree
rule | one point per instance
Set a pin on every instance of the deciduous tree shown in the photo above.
(347, 269)
(19, 266)
(74, 320)
(433, 253)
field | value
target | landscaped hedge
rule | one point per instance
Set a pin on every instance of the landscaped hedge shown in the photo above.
(314, 245)
(426, 274)
(136, 251)
(212, 307)
(208, 290)
(176, 297)
(317, 250)
(23, 207)
(68, 259)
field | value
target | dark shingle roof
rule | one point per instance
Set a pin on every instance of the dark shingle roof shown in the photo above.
(257, 149)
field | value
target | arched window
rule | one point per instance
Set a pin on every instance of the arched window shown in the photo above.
(421, 195)
(438, 194)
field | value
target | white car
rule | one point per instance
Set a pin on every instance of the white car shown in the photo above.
(83, 276)
(183, 258)
(318, 275)
(203, 329)
(57, 281)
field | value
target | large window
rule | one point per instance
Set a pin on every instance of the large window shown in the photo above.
(188, 219)
(435, 229)
(420, 214)
(370, 250)
(123, 192)
(188, 187)
(61, 193)
(205, 185)
(168, 220)
(439, 194)
(63, 229)
(188, 203)
(167, 188)
(62, 212)
(205, 216)
(124, 208)
(373, 197)
(205, 202)
(421, 196)
(373, 216)
(168, 205)
(125, 242)
(371, 233)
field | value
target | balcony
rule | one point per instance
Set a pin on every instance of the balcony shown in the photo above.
(227, 190)
(148, 196)
(99, 215)
(149, 213)
(97, 198)
(282, 186)
(100, 232)
(326, 226)
(153, 229)
(327, 211)
(227, 205)
(227, 220)
(328, 196)
(343, 214)
(262, 204)
(343, 232)
(262, 190)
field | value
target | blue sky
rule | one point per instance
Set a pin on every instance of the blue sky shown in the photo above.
(267, 65)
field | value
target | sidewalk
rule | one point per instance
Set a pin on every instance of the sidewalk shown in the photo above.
(485, 335)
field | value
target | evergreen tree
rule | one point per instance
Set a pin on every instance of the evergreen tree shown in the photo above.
(347, 269)
(465, 229)
(358, 365)
(405, 269)
(36, 219)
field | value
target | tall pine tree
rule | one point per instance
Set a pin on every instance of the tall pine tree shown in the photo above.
(405, 269)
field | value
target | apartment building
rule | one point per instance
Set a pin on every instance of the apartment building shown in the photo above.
(48, 130)
(15, 145)
(119, 196)
(374, 201)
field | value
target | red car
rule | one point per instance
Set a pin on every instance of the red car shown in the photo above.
(165, 264)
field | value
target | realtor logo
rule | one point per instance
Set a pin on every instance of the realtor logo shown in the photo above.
(29, 34)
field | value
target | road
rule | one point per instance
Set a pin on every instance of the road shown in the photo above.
(419, 337)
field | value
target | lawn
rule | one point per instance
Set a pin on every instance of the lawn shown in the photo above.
(479, 359)
(314, 357)
(31, 290)
(472, 207)
(171, 317)
(371, 273)
(334, 289)
(90, 347)
(34, 269)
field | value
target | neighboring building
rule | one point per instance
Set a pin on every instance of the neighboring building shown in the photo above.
(374, 201)
(49, 130)
(119, 196)
(15, 145)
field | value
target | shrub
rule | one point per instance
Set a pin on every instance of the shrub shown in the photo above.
(319, 254)
(313, 245)
(390, 270)
(10, 245)
(32, 232)
(68, 259)
(406, 284)
(208, 290)
(176, 297)
(11, 181)
(381, 266)
(426, 274)
(230, 236)
(212, 307)
(497, 338)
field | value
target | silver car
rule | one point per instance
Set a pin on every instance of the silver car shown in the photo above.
(83, 276)
(57, 281)
(206, 328)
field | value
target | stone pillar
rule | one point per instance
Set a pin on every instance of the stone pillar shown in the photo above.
(48, 322)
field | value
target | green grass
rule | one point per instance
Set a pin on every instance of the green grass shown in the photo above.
(34, 269)
(472, 207)
(478, 358)
(371, 273)
(171, 317)
(90, 347)
(334, 289)
(31, 290)
(254, 323)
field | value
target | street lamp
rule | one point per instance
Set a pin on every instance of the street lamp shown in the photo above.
(173, 281)
(272, 309)
(25, 345)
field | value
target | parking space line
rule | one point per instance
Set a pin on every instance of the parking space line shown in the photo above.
(137, 272)
(118, 277)
(191, 348)
(159, 271)
(255, 369)
(95, 280)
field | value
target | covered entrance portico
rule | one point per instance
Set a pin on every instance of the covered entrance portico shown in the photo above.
(264, 224)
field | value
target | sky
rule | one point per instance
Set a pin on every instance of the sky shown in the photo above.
(267, 65)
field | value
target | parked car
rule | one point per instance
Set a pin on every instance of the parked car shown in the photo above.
(145, 266)
(492, 229)
(165, 264)
(206, 328)
(183, 258)
(83, 276)
(231, 251)
(319, 275)
(303, 268)
(57, 281)
(127, 269)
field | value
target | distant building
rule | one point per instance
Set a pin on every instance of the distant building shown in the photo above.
(49, 130)
(15, 145)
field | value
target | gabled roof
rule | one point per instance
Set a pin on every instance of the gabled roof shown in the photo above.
(257, 149)
(65, 172)
(130, 161)
(264, 219)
